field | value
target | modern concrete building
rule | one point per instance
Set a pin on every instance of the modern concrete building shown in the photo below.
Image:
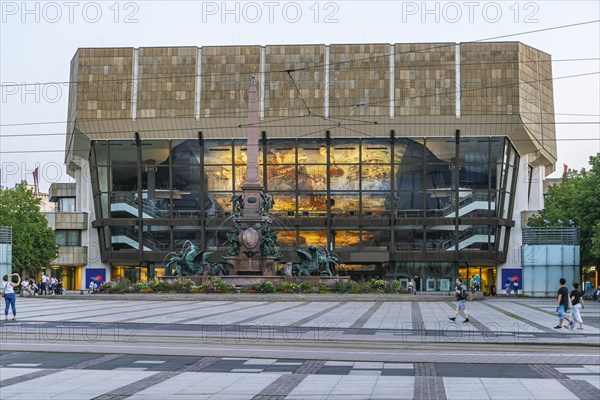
(70, 225)
(403, 159)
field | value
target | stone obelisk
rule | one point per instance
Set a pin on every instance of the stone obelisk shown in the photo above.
(253, 217)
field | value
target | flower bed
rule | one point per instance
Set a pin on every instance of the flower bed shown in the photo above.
(216, 285)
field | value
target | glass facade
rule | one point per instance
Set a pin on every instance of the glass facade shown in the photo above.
(396, 201)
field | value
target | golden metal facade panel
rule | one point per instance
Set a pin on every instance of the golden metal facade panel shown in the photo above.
(104, 83)
(359, 77)
(166, 82)
(286, 94)
(536, 97)
(489, 78)
(425, 79)
(226, 73)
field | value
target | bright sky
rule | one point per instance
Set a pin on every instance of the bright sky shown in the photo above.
(39, 38)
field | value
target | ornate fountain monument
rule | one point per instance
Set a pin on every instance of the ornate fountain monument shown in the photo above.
(252, 243)
(252, 248)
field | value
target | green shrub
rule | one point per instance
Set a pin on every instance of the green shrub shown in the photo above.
(349, 286)
(222, 287)
(289, 287)
(395, 287)
(157, 286)
(306, 287)
(322, 288)
(378, 285)
(364, 288)
(266, 287)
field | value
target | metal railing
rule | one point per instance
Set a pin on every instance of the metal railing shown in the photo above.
(566, 235)
(441, 244)
(133, 235)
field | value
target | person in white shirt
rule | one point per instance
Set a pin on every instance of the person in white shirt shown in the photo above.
(44, 288)
(10, 298)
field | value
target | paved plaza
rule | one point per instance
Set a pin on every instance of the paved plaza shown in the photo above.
(103, 348)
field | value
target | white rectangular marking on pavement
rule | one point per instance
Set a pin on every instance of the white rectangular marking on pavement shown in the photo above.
(571, 370)
(398, 366)
(149, 362)
(261, 361)
(368, 365)
(24, 365)
(365, 372)
(339, 363)
(130, 369)
(248, 370)
(288, 363)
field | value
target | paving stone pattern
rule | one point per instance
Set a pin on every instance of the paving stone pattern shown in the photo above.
(418, 325)
(580, 388)
(317, 315)
(129, 390)
(228, 378)
(282, 386)
(429, 388)
(362, 320)
(542, 328)
(309, 367)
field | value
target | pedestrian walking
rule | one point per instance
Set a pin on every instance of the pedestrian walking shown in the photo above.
(8, 292)
(43, 288)
(577, 306)
(508, 286)
(411, 287)
(562, 303)
(515, 286)
(461, 297)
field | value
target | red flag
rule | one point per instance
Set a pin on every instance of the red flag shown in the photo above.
(35, 181)
(565, 168)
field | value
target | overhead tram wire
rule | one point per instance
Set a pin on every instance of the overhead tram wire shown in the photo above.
(332, 106)
(285, 118)
(420, 64)
(324, 130)
(374, 57)
(365, 123)
(366, 58)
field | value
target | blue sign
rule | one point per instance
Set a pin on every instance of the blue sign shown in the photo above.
(514, 274)
(96, 274)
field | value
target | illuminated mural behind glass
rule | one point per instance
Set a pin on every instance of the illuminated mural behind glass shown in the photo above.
(347, 178)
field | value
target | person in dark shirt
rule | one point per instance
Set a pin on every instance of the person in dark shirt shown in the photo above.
(562, 302)
(577, 303)
(417, 284)
(460, 291)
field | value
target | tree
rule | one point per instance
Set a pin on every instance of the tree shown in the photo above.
(577, 199)
(34, 243)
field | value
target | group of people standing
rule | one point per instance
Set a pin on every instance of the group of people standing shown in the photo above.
(28, 286)
(46, 286)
